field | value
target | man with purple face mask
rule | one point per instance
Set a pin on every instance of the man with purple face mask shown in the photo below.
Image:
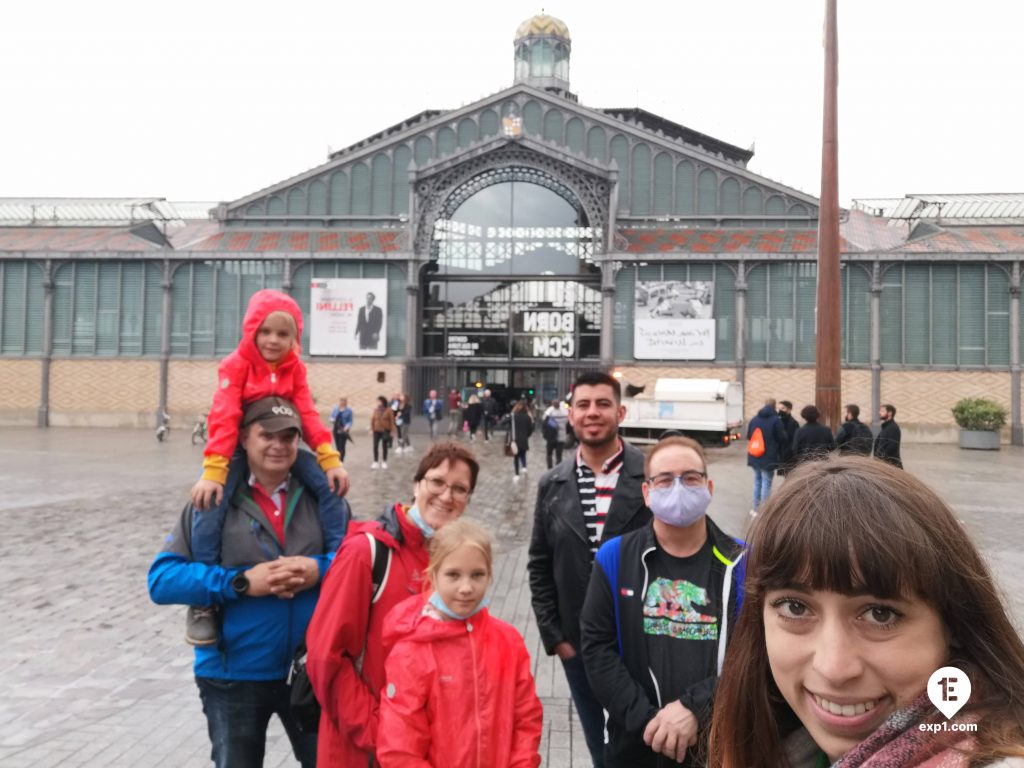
(657, 615)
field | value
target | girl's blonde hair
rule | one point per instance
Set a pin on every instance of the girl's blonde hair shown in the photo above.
(452, 536)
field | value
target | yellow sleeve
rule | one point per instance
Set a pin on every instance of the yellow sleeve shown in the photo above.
(327, 457)
(215, 467)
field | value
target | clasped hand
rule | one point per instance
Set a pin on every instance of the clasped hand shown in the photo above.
(672, 731)
(283, 577)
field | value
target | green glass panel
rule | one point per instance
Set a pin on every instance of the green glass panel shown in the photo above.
(296, 202)
(317, 197)
(396, 308)
(917, 314)
(181, 310)
(152, 310)
(108, 307)
(574, 135)
(997, 345)
(806, 317)
(13, 277)
(596, 143)
(662, 202)
(891, 315)
(446, 141)
(229, 306)
(203, 308)
(620, 154)
(641, 175)
(758, 328)
(339, 193)
(775, 206)
(403, 157)
(532, 115)
(782, 322)
(753, 201)
(275, 206)
(724, 310)
(466, 132)
(622, 321)
(971, 311)
(856, 317)
(488, 123)
(730, 196)
(553, 125)
(382, 188)
(707, 191)
(943, 318)
(685, 188)
(423, 150)
(360, 189)
(63, 308)
(83, 329)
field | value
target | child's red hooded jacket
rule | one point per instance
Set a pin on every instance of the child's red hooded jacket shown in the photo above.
(459, 694)
(244, 376)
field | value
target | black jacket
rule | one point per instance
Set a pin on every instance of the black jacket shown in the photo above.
(854, 437)
(560, 562)
(887, 443)
(521, 425)
(790, 425)
(622, 680)
(812, 441)
(774, 435)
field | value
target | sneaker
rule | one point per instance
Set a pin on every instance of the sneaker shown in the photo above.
(383, 465)
(753, 513)
(201, 625)
(374, 465)
(515, 478)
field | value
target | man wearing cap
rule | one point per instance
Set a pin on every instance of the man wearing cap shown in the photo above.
(273, 557)
(369, 323)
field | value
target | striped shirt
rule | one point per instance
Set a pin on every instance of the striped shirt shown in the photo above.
(596, 491)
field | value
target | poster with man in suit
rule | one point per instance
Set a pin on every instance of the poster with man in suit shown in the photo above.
(346, 318)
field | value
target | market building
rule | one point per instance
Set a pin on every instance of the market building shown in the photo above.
(512, 242)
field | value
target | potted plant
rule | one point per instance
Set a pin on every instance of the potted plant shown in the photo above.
(980, 421)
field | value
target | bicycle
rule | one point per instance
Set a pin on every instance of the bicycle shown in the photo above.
(199, 430)
(164, 427)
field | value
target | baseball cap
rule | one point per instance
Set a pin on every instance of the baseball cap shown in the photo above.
(274, 414)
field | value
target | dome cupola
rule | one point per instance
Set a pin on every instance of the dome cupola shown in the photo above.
(542, 46)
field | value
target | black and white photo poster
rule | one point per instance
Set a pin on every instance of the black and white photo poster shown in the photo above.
(348, 317)
(674, 320)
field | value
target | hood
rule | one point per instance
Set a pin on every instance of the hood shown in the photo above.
(766, 412)
(262, 304)
(407, 621)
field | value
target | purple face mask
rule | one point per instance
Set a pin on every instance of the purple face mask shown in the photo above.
(680, 505)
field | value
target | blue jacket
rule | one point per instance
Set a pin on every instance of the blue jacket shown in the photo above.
(774, 438)
(259, 634)
(437, 409)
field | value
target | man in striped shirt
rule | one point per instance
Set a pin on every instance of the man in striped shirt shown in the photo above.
(592, 496)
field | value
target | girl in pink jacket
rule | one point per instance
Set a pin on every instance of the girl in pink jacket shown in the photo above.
(459, 692)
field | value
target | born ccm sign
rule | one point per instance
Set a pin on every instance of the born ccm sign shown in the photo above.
(553, 332)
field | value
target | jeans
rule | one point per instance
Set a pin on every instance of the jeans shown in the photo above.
(556, 449)
(207, 525)
(433, 428)
(380, 442)
(587, 707)
(454, 421)
(237, 714)
(762, 485)
(519, 460)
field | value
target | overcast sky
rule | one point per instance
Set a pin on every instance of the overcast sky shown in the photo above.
(213, 100)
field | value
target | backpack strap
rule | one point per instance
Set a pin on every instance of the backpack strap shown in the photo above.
(609, 556)
(380, 565)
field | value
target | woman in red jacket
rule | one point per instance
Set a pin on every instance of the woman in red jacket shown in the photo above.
(344, 638)
(459, 691)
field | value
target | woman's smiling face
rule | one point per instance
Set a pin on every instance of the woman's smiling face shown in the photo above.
(844, 663)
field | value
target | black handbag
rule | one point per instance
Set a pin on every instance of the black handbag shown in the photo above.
(304, 706)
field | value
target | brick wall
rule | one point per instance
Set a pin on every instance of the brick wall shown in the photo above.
(104, 393)
(19, 391)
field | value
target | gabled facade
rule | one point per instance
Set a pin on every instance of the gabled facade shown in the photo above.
(514, 242)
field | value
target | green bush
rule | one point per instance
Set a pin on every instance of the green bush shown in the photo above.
(979, 413)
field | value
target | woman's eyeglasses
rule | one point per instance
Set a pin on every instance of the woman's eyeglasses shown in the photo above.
(438, 486)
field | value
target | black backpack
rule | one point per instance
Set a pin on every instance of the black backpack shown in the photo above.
(304, 706)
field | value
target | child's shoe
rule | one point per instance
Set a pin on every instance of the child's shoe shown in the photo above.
(374, 465)
(201, 625)
(383, 465)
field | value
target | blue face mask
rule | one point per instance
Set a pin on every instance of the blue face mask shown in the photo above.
(680, 505)
(439, 604)
(416, 517)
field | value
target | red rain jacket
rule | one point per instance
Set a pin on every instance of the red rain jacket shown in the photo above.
(344, 624)
(244, 376)
(459, 694)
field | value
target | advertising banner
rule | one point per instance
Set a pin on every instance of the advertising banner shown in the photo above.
(674, 320)
(348, 317)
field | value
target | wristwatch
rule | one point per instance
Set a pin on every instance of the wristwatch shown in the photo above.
(240, 583)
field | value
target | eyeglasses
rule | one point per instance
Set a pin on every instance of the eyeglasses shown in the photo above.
(438, 486)
(691, 478)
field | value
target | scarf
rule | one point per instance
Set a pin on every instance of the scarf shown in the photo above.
(899, 741)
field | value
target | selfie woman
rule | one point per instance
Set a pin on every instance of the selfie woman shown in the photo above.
(860, 584)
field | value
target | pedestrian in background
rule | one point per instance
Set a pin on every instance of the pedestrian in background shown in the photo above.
(382, 425)
(490, 407)
(454, 413)
(887, 442)
(553, 429)
(791, 425)
(812, 440)
(854, 436)
(342, 420)
(402, 422)
(432, 410)
(519, 430)
(765, 437)
(474, 413)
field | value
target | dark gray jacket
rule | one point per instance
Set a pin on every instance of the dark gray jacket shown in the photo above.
(560, 560)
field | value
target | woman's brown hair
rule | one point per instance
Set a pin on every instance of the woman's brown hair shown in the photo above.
(446, 450)
(853, 524)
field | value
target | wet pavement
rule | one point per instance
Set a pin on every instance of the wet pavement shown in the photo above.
(93, 674)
